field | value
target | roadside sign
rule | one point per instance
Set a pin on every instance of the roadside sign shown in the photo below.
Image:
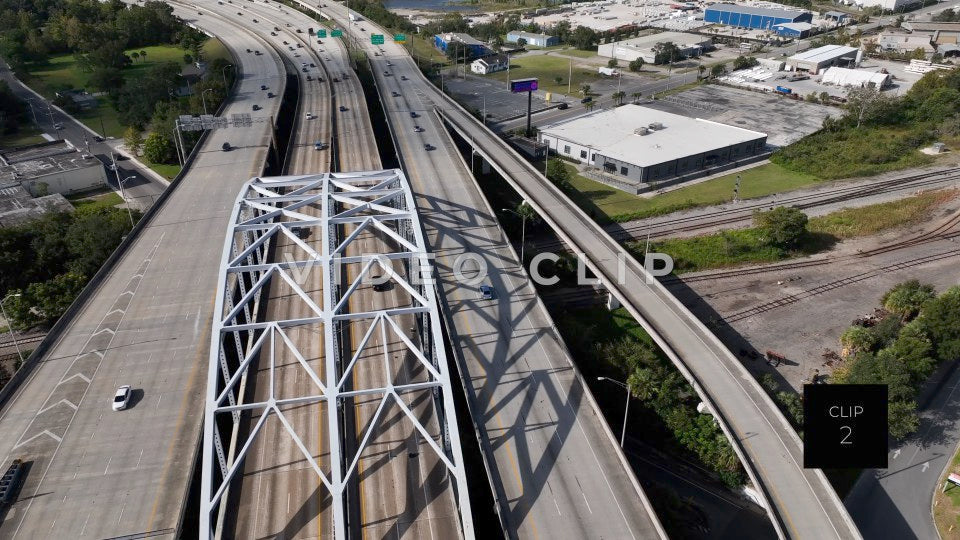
(337, 33)
(523, 85)
(400, 38)
(954, 477)
(321, 33)
(376, 39)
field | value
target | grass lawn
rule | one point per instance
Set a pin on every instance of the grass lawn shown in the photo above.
(547, 68)
(87, 203)
(610, 204)
(577, 53)
(28, 134)
(167, 171)
(424, 51)
(62, 72)
(946, 506)
(743, 246)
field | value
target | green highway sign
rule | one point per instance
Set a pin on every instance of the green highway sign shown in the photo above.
(321, 33)
(376, 39)
(337, 33)
(400, 38)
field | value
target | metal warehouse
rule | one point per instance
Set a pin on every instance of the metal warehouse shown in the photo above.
(753, 17)
(537, 40)
(642, 47)
(635, 145)
(815, 60)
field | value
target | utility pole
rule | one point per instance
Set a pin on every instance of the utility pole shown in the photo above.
(570, 77)
(10, 324)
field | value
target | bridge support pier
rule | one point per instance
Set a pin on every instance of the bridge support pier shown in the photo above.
(612, 302)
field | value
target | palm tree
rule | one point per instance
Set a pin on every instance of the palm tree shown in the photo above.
(636, 96)
(700, 69)
(618, 97)
(584, 89)
(558, 79)
(590, 105)
(135, 55)
(143, 54)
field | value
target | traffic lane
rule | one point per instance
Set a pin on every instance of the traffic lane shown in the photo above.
(518, 378)
(907, 486)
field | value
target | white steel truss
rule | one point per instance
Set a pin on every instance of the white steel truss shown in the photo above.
(271, 209)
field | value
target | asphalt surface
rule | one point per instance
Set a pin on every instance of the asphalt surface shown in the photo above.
(802, 502)
(896, 502)
(96, 473)
(140, 187)
(556, 469)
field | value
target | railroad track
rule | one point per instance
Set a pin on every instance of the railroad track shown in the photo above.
(22, 342)
(836, 284)
(723, 217)
(940, 232)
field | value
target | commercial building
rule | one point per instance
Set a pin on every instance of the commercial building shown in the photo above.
(537, 40)
(490, 64)
(892, 5)
(18, 206)
(51, 167)
(642, 47)
(798, 30)
(940, 33)
(634, 145)
(857, 78)
(475, 47)
(756, 18)
(815, 60)
(905, 43)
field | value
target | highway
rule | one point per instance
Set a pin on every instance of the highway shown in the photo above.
(96, 473)
(801, 501)
(557, 471)
(403, 490)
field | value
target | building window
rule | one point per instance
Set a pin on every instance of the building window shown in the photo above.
(566, 149)
(623, 171)
(583, 154)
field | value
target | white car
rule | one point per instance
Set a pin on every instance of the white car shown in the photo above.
(309, 116)
(122, 398)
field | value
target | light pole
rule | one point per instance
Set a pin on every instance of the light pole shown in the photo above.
(626, 410)
(35, 121)
(204, 99)
(223, 73)
(124, 195)
(523, 230)
(10, 324)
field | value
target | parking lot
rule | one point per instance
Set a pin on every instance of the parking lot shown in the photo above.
(783, 120)
(477, 92)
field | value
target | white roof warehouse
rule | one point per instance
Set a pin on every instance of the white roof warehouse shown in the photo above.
(639, 145)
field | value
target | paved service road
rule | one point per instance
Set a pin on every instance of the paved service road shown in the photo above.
(97, 473)
(896, 502)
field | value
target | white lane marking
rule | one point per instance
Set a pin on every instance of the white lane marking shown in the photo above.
(586, 501)
(158, 400)
(64, 400)
(108, 465)
(926, 465)
(84, 528)
(139, 458)
(122, 508)
(44, 432)
(75, 375)
(896, 453)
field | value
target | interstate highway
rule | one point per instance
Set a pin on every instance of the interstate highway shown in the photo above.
(556, 469)
(97, 473)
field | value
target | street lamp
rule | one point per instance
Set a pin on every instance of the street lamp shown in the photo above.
(626, 410)
(204, 99)
(122, 194)
(223, 73)
(523, 230)
(10, 324)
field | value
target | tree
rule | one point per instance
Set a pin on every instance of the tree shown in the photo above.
(700, 70)
(825, 97)
(612, 63)
(636, 65)
(864, 104)
(902, 418)
(905, 299)
(744, 62)
(521, 42)
(785, 227)
(558, 174)
(135, 55)
(858, 339)
(583, 38)
(133, 140)
(618, 97)
(590, 105)
(143, 54)
(666, 52)
(636, 96)
(106, 79)
(940, 318)
(158, 148)
(558, 79)
(187, 59)
(718, 69)
(584, 89)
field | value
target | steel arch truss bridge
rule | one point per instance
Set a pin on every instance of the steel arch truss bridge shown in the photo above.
(329, 403)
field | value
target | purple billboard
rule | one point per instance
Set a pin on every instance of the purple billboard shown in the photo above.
(523, 85)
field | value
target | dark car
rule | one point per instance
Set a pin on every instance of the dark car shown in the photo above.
(256, 21)
(563, 106)
(485, 292)
(263, 87)
(226, 147)
(342, 108)
(256, 107)
(312, 64)
(587, 99)
(256, 53)
(303, 69)
(249, 51)
(269, 94)
(379, 285)
(413, 114)
(428, 147)
(273, 33)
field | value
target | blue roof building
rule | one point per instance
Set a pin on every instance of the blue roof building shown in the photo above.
(753, 17)
(475, 47)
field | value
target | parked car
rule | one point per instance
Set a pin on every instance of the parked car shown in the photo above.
(121, 398)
